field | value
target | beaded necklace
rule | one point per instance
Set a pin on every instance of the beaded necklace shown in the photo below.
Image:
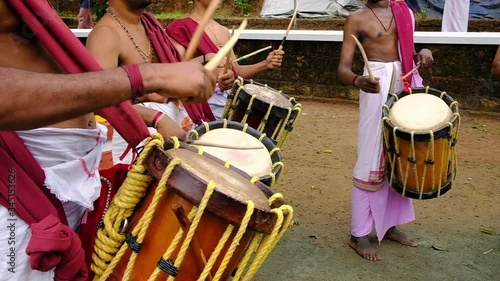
(390, 24)
(141, 52)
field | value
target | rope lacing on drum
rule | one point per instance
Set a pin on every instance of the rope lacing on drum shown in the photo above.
(109, 241)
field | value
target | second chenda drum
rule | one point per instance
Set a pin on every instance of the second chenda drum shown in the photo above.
(240, 146)
(420, 133)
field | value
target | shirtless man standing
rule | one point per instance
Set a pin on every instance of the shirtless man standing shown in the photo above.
(382, 27)
(36, 93)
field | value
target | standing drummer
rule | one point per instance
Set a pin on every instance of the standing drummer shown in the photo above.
(495, 68)
(385, 29)
(214, 37)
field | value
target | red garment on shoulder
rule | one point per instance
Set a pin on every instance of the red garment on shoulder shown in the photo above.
(404, 24)
(53, 244)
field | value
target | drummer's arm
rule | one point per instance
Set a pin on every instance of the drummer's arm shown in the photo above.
(495, 68)
(161, 122)
(272, 61)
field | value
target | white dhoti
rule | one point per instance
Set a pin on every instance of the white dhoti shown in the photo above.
(455, 16)
(374, 203)
(70, 160)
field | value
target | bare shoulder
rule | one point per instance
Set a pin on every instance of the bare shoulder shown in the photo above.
(356, 16)
(105, 32)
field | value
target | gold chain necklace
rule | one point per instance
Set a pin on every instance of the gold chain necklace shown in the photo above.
(139, 50)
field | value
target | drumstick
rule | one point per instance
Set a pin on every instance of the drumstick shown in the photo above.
(213, 63)
(228, 57)
(289, 25)
(181, 216)
(211, 144)
(198, 33)
(410, 72)
(364, 57)
(252, 54)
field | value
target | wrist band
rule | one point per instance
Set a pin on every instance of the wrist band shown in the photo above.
(354, 80)
(204, 60)
(135, 77)
(157, 118)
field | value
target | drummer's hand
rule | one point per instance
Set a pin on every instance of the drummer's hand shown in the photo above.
(188, 81)
(425, 58)
(168, 128)
(226, 80)
(367, 85)
(274, 59)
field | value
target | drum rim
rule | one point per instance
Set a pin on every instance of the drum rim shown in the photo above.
(439, 133)
(262, 220)
(266, 141)
(279, 111)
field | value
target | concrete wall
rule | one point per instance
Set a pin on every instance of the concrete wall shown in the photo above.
(310, 70)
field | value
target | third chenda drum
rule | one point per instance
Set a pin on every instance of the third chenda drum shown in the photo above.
(420, 132)
(241, 146)
(265, 109)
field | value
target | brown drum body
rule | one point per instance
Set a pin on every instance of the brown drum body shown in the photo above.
(263, 108)
(422, 158)
(186, 187)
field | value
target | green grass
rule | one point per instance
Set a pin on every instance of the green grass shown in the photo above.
(171, 15)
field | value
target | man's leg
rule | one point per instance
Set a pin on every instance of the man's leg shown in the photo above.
(361, 225)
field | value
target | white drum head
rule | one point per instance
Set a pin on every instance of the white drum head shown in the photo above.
(420, 113)
(255, 162)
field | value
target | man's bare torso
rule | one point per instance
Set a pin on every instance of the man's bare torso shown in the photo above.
(368, 29)
(20, 49)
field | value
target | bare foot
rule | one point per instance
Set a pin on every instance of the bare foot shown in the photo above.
(364, 248)
(395, 235)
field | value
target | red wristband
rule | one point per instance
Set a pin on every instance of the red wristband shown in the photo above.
(157, 118)
(354, 80)
(135, 77)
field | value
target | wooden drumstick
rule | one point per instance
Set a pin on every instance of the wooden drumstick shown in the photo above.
(211, 144)
(198, 33)
(372, 78)
(213, 63)
(181, 216)
(228, 57)
(410, 72)
(289, 25)
(252, 54)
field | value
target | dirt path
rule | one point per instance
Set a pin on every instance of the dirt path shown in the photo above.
(318, 184)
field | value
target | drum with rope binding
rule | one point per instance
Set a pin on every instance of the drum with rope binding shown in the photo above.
(420, 132)
(244, 147)
(265, 109)
(184, 215)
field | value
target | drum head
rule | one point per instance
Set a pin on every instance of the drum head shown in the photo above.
(420, 113)
(228, 182)
(254, 162)
(267, 95)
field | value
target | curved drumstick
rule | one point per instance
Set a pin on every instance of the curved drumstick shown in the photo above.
(214, 62)
(198, 33)
(372, 78)
(211, 144)
(252, 54)
(290, 25)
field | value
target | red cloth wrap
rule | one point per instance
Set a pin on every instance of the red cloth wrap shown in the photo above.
(404, 24)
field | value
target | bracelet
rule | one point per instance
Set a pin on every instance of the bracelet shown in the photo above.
(204, 60)
(157, 118)
(135, 77)
(354, 80)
